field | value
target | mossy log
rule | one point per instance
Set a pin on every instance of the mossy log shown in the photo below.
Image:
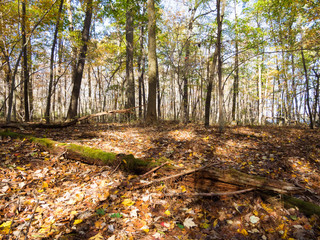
(307, 208)
(87, 154)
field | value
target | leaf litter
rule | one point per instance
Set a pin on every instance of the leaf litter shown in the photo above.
(45, 196)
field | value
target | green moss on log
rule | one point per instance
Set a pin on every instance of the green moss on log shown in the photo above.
(10, 134)
(92, 153)
(88, 154)
(307, 208)
(45, 142)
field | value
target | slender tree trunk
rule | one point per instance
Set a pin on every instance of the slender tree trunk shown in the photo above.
(152, 58)
(236, 77)
(220, 14)
(209, 88)
(259, 94)
(25, 61)
(77, 76)
(158, 92)
(186, 71)
(307, 89)
(53, 47)
(236, 63)
(130, 89)
(141, 69)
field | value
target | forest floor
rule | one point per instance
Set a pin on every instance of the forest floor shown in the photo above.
(44, 196)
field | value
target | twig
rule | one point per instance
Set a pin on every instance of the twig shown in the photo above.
(172, 176)
(116, 168)
(33, 213)
(154, 169)
(211, 194)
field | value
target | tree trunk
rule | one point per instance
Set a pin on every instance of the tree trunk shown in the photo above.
(220, 14)
(307, 89)
(130, 89)
(47, 113)
(77, 76)
(25, 62)
(236, 63)
(152, 58)
(141, 69)
(209, 88)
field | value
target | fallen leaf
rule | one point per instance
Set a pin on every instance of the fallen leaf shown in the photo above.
(97, 237)
(113, 237)
(254, 219)
(189, 223)
(77, 221)
(243, 232)
(128, 202)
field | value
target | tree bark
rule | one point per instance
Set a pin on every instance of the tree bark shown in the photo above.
(77, 76)
(220, 14)
(25, 62)
(307, 89)
(48, 106)
(141, 69)
(152, 58)
(209, 88)
(130, 89)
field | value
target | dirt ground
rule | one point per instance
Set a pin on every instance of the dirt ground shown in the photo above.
(46, 196)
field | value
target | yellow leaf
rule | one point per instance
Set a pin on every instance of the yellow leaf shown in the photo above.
(285, 234)
(20, 168)
(255, 212)
(243, 232)
(215, 223)
(167, 212)
(40, 190)
(160, 188)
(44, 185)
(204, 225)
(183, 189)
(280, 227)
(6, 225)
(74, 213)
(128, 202)
(77, 221)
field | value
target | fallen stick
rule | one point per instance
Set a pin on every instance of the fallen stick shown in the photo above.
(170, 177)
(31, 219)
(211, 194)
(154, 169)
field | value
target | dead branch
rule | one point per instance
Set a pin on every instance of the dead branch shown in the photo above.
(170, 177)
(64, 124)
(154, 169)
(211, 194)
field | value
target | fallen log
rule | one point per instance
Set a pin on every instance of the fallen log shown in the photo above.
(235, 177)
(22, 125)
(87, 154)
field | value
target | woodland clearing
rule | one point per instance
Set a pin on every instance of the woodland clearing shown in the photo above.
(48, 196)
